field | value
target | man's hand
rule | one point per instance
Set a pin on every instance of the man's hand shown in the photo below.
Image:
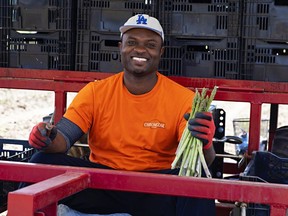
(202, 127)
(42, 135)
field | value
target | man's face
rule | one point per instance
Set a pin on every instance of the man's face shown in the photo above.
(140, 50)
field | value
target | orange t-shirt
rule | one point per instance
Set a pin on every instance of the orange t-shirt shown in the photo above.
(132, 132)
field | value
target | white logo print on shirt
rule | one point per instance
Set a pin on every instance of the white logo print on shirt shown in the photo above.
(154, 124)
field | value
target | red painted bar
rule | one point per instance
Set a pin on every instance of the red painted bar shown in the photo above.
(254, 92)
(278, 211)
(55, 188)
(37, 196)
(84, 77)
(255, 127)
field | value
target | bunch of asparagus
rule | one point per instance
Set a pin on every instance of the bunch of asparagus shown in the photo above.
(189, 154)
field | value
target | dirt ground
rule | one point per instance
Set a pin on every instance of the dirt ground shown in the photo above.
(20, 110)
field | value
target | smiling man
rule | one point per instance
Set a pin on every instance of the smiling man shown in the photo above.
(135, 121)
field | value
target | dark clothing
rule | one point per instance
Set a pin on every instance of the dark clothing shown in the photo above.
(136, 204)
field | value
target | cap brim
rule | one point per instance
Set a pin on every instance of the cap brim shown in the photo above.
(126, 28)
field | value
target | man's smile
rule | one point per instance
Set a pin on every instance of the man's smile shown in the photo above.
(139, 59)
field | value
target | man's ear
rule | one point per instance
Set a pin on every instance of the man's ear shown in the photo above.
(120, 45)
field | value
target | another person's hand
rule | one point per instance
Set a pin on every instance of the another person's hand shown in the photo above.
(202, 127)
(42, 135)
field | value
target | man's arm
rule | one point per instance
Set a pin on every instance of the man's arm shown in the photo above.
(209, 155)
(55, 139)
(58, 145)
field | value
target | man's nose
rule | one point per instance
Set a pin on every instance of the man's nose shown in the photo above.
(140, 48)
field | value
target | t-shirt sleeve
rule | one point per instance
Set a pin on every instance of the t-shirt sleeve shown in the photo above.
(80, 111)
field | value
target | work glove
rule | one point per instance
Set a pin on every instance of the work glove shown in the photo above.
(202, 127)
(42, 135)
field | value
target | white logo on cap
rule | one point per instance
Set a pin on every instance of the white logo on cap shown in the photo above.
(141, 20)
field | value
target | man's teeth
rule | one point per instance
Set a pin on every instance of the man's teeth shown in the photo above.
(139, 59)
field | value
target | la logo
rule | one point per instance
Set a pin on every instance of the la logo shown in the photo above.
(141, 20)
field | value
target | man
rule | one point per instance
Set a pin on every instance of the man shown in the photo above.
(135, 121)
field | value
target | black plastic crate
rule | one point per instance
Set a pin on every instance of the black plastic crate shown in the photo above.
(192, 58)
(4, 53)
(97, 52)
(38, 34)
(201, 58)
(5, 26)
(109, 15)
(53, 50)
(268, 167)
(267, 61)
(43, 15)
(100, 52)
(264, 40)
(5, 15)
(266, 19)
(197, 18)
(15, 150)
(264, 167)
(172, 61)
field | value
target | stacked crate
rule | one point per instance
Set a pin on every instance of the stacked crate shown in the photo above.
(201, 58)
(265, 37)
(232, 39)
(98, 23)
(5, 25)
(202, 37)
(40, 34)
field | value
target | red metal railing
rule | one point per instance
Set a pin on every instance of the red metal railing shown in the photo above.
(254, 92)
(61, 82)
(57, 182)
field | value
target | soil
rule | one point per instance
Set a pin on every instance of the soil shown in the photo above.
(20, 110)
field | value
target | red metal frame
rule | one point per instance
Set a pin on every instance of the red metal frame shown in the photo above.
(57, 182)
(254, 92)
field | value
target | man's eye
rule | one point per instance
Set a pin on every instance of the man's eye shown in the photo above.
(131, 43)
(151, 45)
